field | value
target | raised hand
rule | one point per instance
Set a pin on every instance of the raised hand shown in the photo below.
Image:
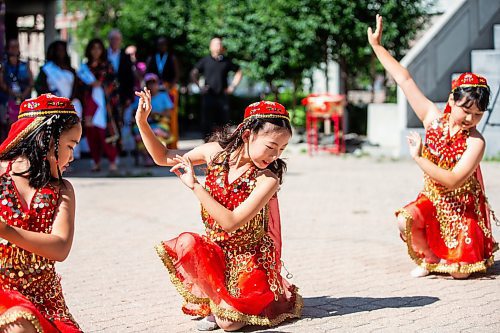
(415, 144)
(187, 176)
(144, 107)
(375, 38)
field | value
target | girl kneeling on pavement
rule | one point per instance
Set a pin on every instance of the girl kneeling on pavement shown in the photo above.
(231, 276)
(37, 213)
(447, 228)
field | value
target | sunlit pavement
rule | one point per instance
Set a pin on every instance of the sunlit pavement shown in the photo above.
(340, 244)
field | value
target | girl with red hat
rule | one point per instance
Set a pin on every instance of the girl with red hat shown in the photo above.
(447, 228)
(231, 276)
(37, 213)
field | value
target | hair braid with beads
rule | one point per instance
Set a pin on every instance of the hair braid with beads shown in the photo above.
(232, 142)
(36, 148)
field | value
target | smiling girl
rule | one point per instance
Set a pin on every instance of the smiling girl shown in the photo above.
(231, 276)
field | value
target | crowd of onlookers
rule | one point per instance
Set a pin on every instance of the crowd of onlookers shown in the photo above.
(102, 90)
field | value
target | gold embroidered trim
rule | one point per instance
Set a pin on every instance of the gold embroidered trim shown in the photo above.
(11, 317)
(237, 316)
(181, 289)
(470, 85)
(479, 266)
(227, 314)
(259, 116)
(45, 113)
(23, 133)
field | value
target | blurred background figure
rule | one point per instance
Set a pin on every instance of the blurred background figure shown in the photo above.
(57, 76)
(124, 78)
(215, 103)
(159, 119)
(164, 64)
(16, 83)
(97, 78)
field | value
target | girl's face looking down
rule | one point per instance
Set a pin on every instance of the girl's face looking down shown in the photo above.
(67, 143)
(267, 145)
(465, 115)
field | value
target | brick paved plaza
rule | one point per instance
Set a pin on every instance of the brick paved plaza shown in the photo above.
(340, 244)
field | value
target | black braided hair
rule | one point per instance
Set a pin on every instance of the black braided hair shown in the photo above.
(36, 147)
(233, 141)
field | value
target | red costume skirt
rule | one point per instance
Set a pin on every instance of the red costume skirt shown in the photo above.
(14, 306)
(197, 268)
(473, 251)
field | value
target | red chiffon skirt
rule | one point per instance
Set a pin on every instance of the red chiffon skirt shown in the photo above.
(197, 268)
(14, 306)
(474, 252)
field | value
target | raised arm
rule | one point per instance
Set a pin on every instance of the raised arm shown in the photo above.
(57, 244)
(230, 220)
(425, 110)
(161, 154)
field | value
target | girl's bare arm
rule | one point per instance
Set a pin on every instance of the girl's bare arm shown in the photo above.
(425, 110)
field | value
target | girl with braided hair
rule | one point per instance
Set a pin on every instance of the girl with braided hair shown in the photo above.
(231, 276)
(37, 212)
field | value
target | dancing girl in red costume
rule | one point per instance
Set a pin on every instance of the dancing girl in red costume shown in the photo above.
(231, 276)
(37, 213)
(447, 228)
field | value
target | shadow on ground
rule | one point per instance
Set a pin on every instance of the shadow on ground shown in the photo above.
(325, 306)
(81, 169)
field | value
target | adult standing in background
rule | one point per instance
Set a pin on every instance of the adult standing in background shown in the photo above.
(16, 82)
(97, 77)
(57, 76)
(215, 69)
(164, 64)
(124, 75)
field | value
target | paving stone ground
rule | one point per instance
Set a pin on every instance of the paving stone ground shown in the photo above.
(340, 244)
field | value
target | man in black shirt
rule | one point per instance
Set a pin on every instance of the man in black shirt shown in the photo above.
(215, 69)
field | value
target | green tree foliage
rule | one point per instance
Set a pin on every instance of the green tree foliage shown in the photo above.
(273, 40)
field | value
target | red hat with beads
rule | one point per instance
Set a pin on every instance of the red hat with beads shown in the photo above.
(33, 113)
(266, 109)
(469, 80)
(466, 80)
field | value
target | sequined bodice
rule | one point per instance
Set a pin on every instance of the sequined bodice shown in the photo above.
(32, 275)
(445, 151)
(38, 217)
(441, 148)
(231, 195)
(451, 204)
(249, 247)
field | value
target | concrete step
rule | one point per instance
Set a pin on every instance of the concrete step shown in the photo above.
(496, 36)
(486, 62)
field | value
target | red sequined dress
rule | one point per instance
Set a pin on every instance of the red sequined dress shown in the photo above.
(240, 269)
(455, 224)
(29, 285)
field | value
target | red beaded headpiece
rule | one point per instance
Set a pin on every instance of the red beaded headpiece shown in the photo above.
(466, 80)
(469, 80)
(266, 109)
(32, 114)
